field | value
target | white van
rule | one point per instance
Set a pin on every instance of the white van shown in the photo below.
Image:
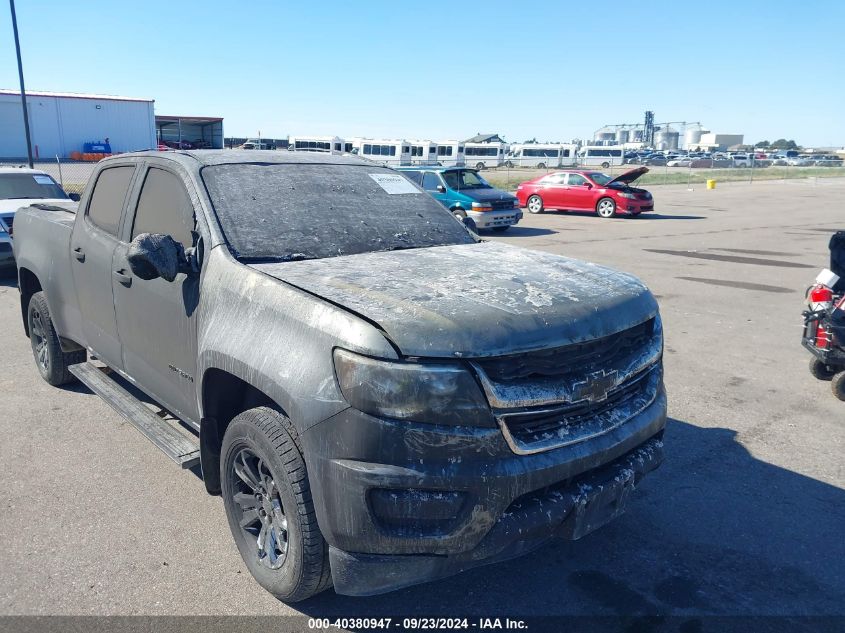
(388, 152)
(318, 143)
(485, 155)
(423, 152)
(600, 156)
(450, 154)
(541, 155)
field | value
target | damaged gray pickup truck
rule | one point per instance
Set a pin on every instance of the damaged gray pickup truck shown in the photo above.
(381, 398)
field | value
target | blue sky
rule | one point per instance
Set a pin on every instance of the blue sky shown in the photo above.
(554, 70)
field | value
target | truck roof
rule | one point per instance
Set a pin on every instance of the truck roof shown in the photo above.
(203, 157)
(20, 170)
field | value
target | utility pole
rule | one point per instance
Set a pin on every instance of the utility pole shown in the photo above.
(23, 90)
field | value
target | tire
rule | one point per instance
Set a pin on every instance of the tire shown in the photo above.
(509, 164)
(819, 370)
(541, 165)
(605, 165)
(535, 204)
(265, 486)
(459, 213)
(479, 166)
(837, 385)
(501, 229)
(51, 361)
(606, 208)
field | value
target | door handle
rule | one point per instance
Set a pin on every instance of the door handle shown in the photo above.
(79, 253)
(122, 277)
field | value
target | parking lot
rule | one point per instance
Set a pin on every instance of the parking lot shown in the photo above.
(745, 517)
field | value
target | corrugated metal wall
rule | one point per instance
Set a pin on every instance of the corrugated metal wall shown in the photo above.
(61, 125)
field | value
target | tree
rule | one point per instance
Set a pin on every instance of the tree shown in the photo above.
(762, 144)
(782, 143)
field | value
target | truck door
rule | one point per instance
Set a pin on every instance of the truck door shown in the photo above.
(92, 246)
(156, 319)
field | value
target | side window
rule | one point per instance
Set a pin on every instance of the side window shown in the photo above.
(576, 180)
(108, 197)
(164, 207)
(430, 181)
(554, 179)
(414, 176)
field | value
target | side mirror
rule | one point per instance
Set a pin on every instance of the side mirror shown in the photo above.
(441, 189)
(588, 185)
(74, 196)
(153, 255)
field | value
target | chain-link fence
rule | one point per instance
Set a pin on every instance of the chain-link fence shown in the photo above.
(693, 174)
(71, 175)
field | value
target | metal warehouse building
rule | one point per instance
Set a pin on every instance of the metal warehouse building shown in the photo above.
(61, 123)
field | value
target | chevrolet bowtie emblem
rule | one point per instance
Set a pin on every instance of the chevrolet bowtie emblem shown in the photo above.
(595, 387)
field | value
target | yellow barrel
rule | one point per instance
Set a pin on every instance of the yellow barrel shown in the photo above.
(711, 184)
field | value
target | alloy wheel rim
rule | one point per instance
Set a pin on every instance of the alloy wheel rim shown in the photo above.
(39, 340)
(534, 205)
(605, 208)
(260, 512)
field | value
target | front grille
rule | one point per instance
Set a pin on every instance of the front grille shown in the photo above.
(581, 358)
(502, 204)
(537, 430)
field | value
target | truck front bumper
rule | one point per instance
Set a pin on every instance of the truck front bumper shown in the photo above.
(403, 503)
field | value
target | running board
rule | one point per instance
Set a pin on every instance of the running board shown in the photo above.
(176, 445)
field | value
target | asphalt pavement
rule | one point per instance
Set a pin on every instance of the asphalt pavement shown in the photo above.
(746, 516)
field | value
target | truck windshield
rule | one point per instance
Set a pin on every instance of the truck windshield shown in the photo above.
(459, 179)
(27, 185)
(288, 212)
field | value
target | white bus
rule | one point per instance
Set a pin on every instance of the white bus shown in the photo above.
(541, 155)
(388, 152)
(485, 155)
(319, 144)
(598, 156)
(423, 152)
(450, 153)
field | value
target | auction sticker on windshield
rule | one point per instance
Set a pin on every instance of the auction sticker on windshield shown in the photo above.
(394, 184)
(43, 180)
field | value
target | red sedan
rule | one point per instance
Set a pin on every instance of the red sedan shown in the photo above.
(585, 190)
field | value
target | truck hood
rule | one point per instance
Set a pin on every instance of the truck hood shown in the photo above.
(475, 300)
(13, 205)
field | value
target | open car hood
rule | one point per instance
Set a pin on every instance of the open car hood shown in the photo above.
(475, 300)
(629, 176)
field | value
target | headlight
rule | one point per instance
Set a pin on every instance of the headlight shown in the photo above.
(482, 206)
(434, 393)
(629, 196)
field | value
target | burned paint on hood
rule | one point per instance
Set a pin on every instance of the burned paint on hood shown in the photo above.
(475, 300)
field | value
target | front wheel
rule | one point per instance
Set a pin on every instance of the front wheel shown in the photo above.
(51, 361)
(268, 503)
(535, 204)
(606, 208)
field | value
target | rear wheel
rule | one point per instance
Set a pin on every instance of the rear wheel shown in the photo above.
(837, 385)
(605, 165)
(479, 166)
(51, 361)
(606, 208)
(541, 165)
(268, 502)
(820, 370)
(535, 204)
